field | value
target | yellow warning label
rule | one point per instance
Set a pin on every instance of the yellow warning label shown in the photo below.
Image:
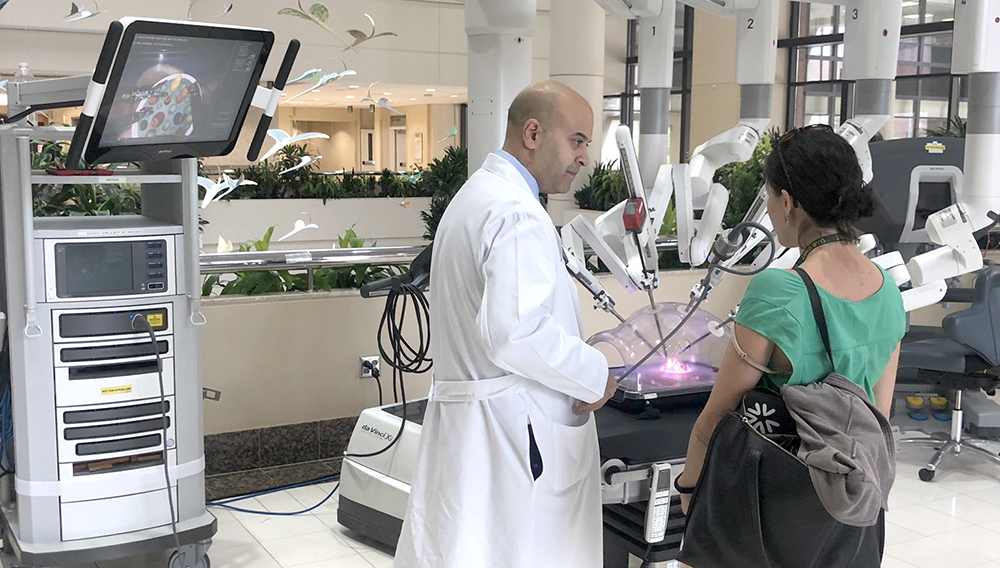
(155, 320)
(935, 148)
(116, 390)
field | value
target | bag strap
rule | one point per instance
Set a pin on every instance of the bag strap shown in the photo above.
(817, 307)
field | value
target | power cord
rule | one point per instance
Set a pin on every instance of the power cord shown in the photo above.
(6, 413)
(376, 374)
(401, 355)
(645, 557)
(226, 505)
(163, 401)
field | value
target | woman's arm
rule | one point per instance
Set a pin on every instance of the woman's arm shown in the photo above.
(735, 379)
(886, 384)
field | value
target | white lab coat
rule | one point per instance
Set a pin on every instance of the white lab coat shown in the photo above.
(507, 349)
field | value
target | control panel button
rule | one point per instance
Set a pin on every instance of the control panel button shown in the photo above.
(154, 255)
(155, 285)
(155, 265)
(154, 245)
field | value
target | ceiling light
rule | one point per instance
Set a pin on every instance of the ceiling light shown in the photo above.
(413, 98)
(317, 99)
(355, 87)
(387, 94)
(350, 96)
(910, 4)
(912, 16)
(284, 94)
(454, 96)
(430, 90)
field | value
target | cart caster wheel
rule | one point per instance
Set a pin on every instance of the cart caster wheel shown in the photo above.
(175, 562)
(927, 474)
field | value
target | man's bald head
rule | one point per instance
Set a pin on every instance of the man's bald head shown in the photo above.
(549, 127)
(541, 101)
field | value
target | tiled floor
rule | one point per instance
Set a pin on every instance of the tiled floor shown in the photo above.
(953, 522)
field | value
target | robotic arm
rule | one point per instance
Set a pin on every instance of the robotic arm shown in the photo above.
(624, 238)
(871, 40)
(954, 228)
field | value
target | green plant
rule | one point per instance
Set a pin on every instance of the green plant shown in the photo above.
(604, 189)
(50, 200)
(325, 279)
(442, 180)
(745, 179)
(954, 128)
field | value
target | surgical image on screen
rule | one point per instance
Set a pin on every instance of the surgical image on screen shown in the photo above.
(180, 89)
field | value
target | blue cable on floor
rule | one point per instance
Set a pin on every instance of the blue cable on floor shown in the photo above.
(224, 504)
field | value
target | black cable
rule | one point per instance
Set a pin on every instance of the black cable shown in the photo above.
(163, 401)
(645, 557)
(377, 376)
(400, 354)
(773, 250)
(36, 108)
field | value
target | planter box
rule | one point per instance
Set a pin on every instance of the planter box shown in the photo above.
(589, 215)
(385, 221)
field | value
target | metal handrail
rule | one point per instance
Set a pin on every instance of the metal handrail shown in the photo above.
(230, 262)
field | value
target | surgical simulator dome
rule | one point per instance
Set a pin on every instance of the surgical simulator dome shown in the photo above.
(686, 364)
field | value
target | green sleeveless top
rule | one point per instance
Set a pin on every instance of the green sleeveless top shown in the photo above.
(863, 334)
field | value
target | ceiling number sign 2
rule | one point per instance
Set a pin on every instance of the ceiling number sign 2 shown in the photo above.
(750, 23)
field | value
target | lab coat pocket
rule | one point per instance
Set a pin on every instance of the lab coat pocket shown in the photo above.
(569, 456)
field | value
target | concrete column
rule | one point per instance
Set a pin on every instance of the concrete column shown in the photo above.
(499, 61)
(577, 60)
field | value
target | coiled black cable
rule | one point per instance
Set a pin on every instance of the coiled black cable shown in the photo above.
(400, 354)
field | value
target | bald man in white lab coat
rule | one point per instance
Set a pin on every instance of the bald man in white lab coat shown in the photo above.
(508, 467)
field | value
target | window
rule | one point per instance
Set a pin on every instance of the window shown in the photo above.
(927, 94)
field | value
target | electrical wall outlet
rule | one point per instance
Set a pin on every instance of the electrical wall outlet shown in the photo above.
(366, 373)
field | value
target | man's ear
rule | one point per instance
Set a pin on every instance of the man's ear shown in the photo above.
(530, 134)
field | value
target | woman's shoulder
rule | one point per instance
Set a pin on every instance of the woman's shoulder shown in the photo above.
(775, 285)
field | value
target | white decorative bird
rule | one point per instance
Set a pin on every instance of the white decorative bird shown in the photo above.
(303, 162)
(310, 74)
(382, 102)
(300, 226)
(226, 8)
(216, 190)
(3, 85)
(361, 37)
(77, 13)
(282, 139)
(329, 78)
(452, 134)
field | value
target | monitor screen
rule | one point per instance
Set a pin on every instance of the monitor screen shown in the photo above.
(177, 90)
(97, 269)
(933, 197)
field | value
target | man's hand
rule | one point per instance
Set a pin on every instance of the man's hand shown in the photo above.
(609, 391)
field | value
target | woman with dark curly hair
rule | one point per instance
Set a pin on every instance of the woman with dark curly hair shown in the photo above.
(815, 195)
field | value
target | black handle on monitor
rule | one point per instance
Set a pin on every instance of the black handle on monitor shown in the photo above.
(100, 77)
(279, 84)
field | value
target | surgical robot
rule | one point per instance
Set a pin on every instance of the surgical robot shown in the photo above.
(374, 490)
